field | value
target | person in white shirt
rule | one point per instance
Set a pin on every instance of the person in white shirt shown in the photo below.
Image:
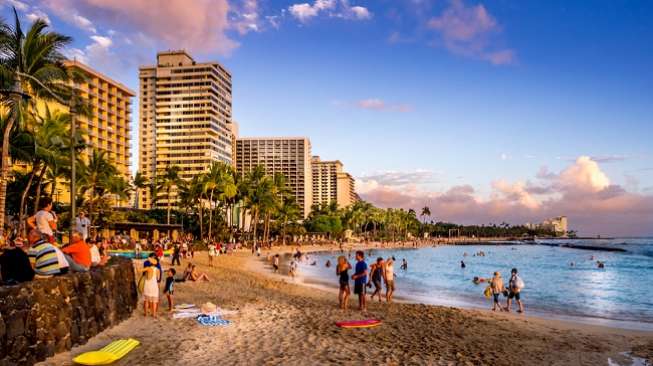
(45, 220)
(82, 224)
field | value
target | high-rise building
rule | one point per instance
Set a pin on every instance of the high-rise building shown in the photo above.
(107, 129)
(185, 117)
(331, 184)
(290, 156)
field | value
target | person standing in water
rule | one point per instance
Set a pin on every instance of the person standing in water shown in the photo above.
(514, 290)
(404, 264)
(342, 270)
(377, 277)
(360, 279)
(389, 275)
(496, 284)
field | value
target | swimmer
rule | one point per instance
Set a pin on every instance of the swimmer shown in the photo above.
(462, 264)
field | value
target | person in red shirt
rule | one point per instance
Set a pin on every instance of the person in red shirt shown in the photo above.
(78, 254)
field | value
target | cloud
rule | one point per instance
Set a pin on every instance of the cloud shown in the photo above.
(97, 53)
(38, 14)
(19, 5)
(247, 17)
(380, 105)
(610, 158)
(199, 26)
(396, 178)
(304, 12)
(468, 31)
(581, 191)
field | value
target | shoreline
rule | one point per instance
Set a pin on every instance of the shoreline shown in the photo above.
(277, 321)
(324, 285)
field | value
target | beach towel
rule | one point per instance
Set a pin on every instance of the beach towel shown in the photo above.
(212, 320)
(184, 306)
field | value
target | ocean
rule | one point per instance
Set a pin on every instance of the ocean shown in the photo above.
(619, 295)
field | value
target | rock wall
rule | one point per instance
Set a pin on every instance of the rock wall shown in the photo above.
(47, 316)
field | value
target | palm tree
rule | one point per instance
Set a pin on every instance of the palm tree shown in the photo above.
(288, 211)
(30, 64)
(138, 182)
(167, 181)
(95, 179)
(258, 197)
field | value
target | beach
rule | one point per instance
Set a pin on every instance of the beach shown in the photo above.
(278, 321)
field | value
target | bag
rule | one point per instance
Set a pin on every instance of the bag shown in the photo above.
(488, 292)
(519, 283)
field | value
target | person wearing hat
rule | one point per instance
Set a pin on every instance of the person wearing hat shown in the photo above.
(151, 287)
(496, 284)
(515, 286)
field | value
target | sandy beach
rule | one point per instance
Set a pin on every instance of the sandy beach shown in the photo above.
(278, 321)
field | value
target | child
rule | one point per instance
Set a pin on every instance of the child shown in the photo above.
(168, 289)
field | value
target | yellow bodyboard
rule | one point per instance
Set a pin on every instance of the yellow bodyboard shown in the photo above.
(109, 354)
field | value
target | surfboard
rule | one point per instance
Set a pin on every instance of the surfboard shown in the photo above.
(366, 323)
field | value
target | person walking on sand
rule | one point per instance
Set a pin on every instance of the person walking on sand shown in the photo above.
(515, 286)
(212, 253)
(342, 270)
(360, 279)
(389, 276)
(496, 284)
(275, 263)
(377, 277)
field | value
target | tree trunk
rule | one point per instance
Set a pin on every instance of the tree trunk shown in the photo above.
(201, 215)
(37, 200)
(6, 162)
(23, 197)
(255, 225)
(169, 205)
(210, 215)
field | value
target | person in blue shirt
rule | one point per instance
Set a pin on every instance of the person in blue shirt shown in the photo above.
(360, 279)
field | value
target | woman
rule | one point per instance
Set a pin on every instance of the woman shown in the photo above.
(389, 278)
(197, 276)
(342, 270)
(377, 276)
(151, 288)
(496, 284)
(211, 253)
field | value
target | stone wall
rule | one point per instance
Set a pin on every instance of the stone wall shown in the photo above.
(47, 316)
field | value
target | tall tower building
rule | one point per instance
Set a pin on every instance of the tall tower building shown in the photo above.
(331, 183)
(185, 117)
(290, 156)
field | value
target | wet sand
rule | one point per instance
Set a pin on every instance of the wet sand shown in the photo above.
(282, 322)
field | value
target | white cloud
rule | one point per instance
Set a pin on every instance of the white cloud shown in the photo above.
(38, 14)
(380, 105)
(361, 12)
(304, 12)
(19, 5)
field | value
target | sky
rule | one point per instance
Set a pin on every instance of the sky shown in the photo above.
(485, 111)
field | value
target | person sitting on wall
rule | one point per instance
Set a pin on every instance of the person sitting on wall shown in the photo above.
(42, 255)
(77, 253)
(14, 264)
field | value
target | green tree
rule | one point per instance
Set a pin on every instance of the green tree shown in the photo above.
(30, 63)
(167, 181)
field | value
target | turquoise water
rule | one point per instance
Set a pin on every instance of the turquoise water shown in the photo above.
(621, 294)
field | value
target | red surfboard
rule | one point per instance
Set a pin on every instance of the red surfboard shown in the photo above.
(367, 323)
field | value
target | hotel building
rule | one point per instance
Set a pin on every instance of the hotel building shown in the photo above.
(331, 183)
(290, 156)
(185, 118)
(107, 128)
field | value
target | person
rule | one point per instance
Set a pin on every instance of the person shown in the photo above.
(14, 264)
(211, 248)
(389, 277)
(152, 261)
(258, 250)
(462, 264)
(151, 287)
(377, 277)
(275, 263)
(158, 250)
(96, 258)
(404, 264)
(342, 270)
(197, 276)
(82, 224)
(515, 285)
(42, 255)
(77, 253)
(293, 268)
(496, 284)
(137, 250)
(168, 289)
(328, 264)
(188, 271)
(176, 249)
(45, 220)
(360, 279)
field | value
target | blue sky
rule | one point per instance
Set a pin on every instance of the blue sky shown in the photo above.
(417, 97)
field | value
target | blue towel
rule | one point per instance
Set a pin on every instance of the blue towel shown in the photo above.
(212, 320)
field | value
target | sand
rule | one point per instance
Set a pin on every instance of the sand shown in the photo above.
(281, 322)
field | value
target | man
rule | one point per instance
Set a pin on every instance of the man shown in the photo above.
(45, 220)
(515, 286)
(78, 254)
(176, 249)
(14, 264)
(42, 255)
(82, 224)
(360, 279)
